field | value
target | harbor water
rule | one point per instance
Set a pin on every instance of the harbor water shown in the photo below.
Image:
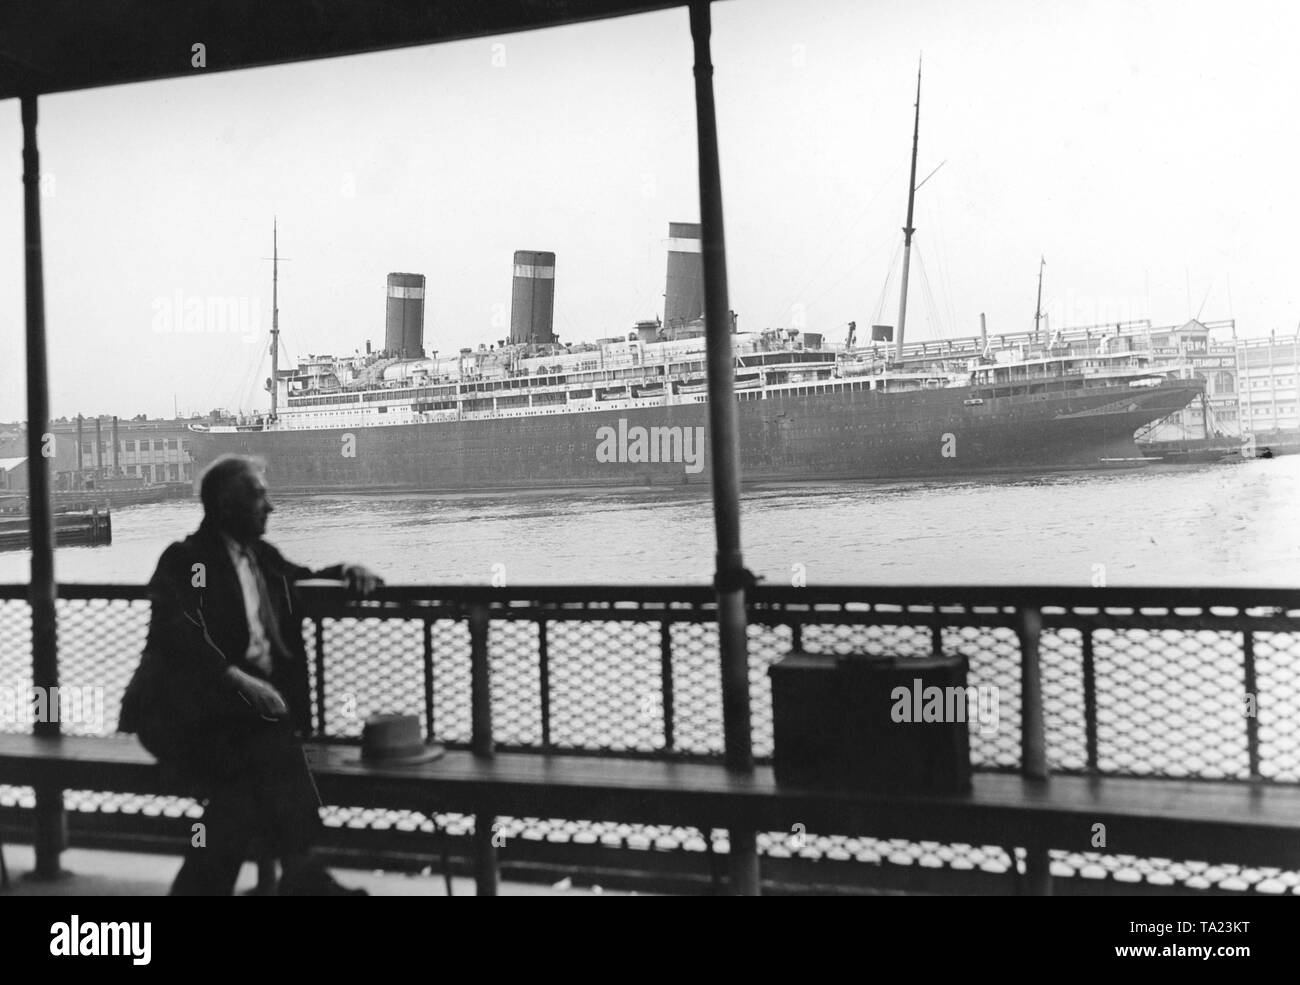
(1210, 525)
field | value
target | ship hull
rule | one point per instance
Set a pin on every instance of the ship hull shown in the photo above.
(855, 435)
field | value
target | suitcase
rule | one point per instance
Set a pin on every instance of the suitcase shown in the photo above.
(889, 724)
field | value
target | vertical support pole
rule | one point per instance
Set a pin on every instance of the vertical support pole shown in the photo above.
(480, 677)
(725, 448)
(51, 826)
(725, 443)
(486, 870)
(1089, 702)
(99, 446)
(1033, 735)
(1252, 694)
(117, 450)
(81, 479)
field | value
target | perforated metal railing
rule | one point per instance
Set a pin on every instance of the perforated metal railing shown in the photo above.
(1153, 683)
(1192, 684)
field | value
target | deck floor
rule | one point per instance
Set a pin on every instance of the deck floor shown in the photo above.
(110, 873)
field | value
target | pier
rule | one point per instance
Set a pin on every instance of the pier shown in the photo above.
(72, 529)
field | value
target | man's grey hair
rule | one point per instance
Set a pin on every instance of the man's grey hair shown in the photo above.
(221, 477)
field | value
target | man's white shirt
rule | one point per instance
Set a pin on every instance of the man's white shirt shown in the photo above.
(259, 647)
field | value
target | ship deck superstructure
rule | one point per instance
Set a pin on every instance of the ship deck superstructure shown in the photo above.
(616, 375)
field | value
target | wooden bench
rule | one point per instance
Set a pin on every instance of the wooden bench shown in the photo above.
(1210, 821)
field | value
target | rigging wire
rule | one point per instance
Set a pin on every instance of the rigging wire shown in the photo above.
(840, 280)
(1203, 300)
(833, 249)
(889, 277)
(943, 269)
(229, 369)
(254, 371)
(934, 322)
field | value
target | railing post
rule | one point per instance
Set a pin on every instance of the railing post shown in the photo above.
(1033, 736)
(428, 679)
(1089, 702)
(1252, 695)
(480, 676)
(319, 641)
(1038, 871)
(486, 870)
(725, 448)
(544, 681)
(50, 836)
(666, 684)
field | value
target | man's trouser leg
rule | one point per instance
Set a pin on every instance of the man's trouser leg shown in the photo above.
(282, 779)
(260, 784)
(218, 847)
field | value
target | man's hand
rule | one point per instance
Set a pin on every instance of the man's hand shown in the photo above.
(261, 696)
(361, 580)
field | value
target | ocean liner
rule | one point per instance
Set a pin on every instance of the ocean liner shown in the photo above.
(632, 410)
(528, 412)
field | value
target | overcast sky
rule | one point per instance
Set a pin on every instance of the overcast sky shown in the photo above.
(1146, 149)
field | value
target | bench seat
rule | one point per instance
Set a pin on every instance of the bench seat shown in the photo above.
(1211, 821)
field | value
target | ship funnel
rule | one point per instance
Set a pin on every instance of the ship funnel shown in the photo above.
(532, 298)
(404, 325)
(684, 294)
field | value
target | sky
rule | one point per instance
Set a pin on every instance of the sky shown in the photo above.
(1146, 150)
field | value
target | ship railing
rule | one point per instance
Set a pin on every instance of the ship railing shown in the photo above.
(1154, 684)
(1171, 682)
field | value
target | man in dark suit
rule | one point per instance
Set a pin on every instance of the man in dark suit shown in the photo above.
(221, 695)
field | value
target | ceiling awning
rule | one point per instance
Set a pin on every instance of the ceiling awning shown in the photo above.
(63, 45)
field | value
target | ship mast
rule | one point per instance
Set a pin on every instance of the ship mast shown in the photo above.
(1038, 309)
(275, 314)
(908, 229)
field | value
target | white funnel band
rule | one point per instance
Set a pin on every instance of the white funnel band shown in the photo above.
(534, 272)
(396, 291)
